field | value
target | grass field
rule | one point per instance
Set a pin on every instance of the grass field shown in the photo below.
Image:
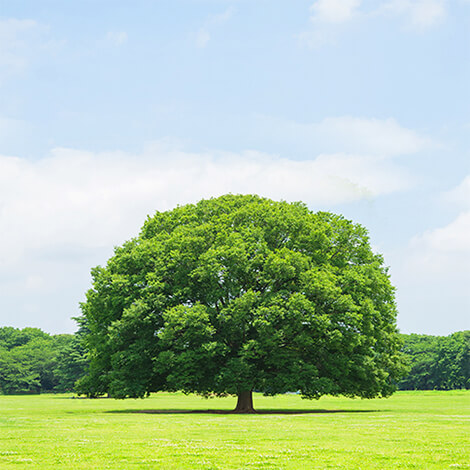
(419, 430)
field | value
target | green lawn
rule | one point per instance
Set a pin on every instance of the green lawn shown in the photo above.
(419, 430)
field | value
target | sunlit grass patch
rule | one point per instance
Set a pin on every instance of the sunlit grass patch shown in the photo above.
(410, 430)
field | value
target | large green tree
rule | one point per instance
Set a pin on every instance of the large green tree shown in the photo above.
(241, 293)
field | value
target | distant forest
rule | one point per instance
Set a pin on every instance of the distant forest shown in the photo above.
(437, 362)
(32, 361)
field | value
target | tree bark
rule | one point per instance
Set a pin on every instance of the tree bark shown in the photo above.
(245, 403)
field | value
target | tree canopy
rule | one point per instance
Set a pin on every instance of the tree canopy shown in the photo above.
(32, 361)
(241, 293)
(437, 362)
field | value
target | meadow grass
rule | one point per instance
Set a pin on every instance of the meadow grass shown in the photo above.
(410, 430)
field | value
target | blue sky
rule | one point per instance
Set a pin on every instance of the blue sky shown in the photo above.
(110, 110)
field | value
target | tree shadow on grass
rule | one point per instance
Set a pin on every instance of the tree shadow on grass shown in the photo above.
(232, 412)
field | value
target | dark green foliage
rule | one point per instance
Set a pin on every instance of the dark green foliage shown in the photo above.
(241, 293)
(437, 362)
(32, 361)
(25, 360)
(71, 362)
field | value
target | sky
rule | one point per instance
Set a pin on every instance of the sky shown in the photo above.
(112, 110)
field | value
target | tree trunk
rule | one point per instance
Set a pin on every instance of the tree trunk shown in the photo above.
(245, 403)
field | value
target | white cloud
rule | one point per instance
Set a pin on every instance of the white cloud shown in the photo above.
(435, 275)
(369, 136)
(330, 17)
(445, 242)
(95, 200)
(62, 214)
(334, 11)
(327, 17)
(434, 279)
(116, 38)
(377, 136)
(461, 194)
(446, 249)
(418, 14)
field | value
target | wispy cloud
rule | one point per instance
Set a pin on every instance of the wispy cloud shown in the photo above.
(383, 137)
(19, 41)
(329, 18)
(460, 195)
(203, 35)
(116, 38)
(334, 11)
(349, 134)
(418, 15)
(451, 239)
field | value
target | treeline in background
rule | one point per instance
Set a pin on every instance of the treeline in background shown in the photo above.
(437, 362)
(32, 361)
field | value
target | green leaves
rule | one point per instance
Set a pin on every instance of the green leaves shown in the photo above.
(32, 361)
(437, 362)
(240, 293)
